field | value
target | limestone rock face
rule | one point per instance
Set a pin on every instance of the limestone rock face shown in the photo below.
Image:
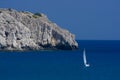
(26, 31)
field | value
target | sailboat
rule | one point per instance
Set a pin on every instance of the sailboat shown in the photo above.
(84, 59)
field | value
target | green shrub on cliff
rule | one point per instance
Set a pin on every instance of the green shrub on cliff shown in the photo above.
(37, 15)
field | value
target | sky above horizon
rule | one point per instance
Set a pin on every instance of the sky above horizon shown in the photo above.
(87, 19)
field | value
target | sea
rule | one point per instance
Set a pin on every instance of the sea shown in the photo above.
(102, 55)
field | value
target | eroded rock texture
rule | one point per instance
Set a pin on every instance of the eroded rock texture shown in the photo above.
(26, 31)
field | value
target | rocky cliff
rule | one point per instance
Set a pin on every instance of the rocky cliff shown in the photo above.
(21, 30)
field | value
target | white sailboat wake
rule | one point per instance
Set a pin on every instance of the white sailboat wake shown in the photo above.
(85, 60)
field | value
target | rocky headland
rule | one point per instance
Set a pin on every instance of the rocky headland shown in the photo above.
(20, 30)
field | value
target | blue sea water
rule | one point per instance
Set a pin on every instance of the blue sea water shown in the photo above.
(103, 57)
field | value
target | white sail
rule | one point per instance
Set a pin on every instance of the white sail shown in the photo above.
(84, 59)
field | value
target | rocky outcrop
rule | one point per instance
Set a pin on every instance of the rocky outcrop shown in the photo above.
(21, 30)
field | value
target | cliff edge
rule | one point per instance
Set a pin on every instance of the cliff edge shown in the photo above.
(21, 30)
